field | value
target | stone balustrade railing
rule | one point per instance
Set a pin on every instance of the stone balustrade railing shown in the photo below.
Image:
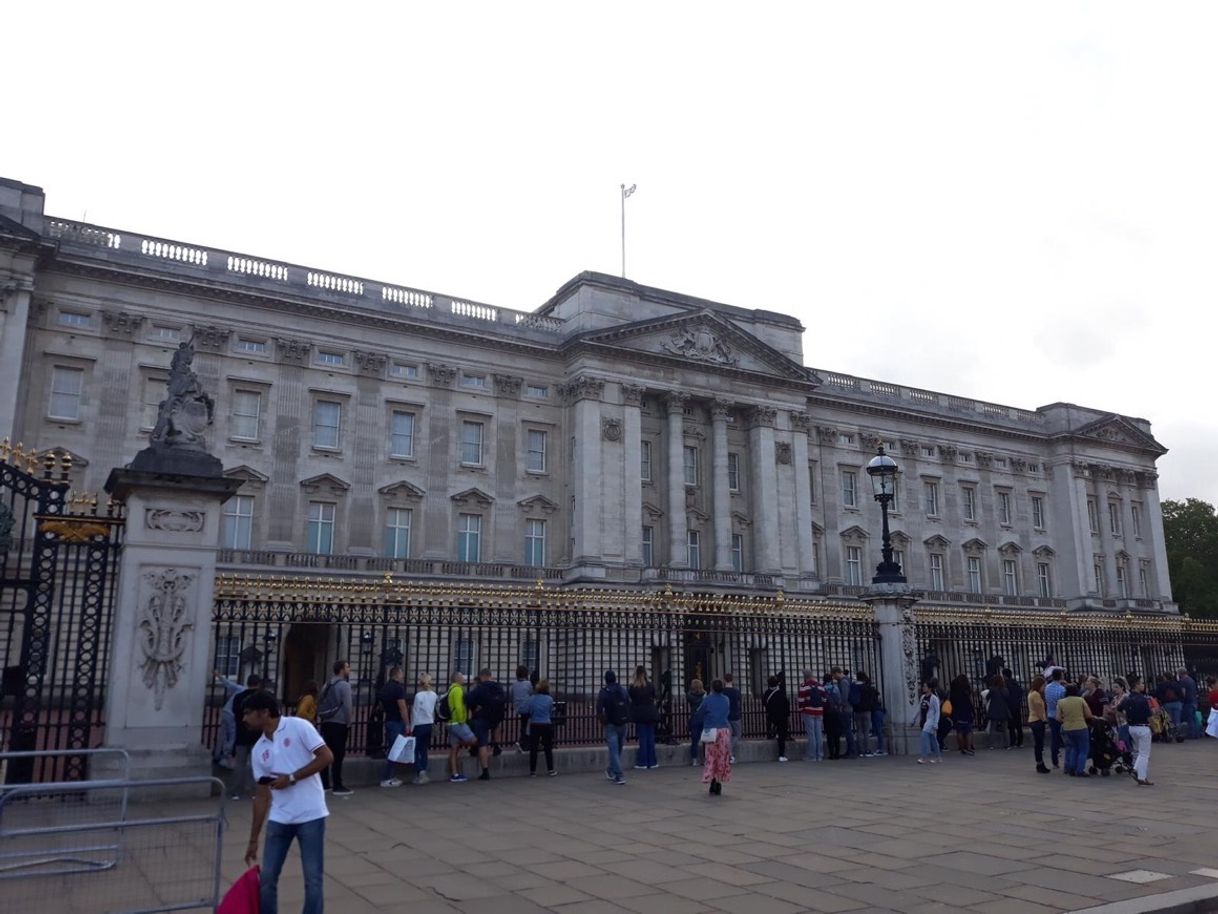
(263, 276)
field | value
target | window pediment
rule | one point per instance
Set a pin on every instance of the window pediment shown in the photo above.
(1043, 552)
(537, 504)
(1010, 549)
(975, 546)
(248, 475)
(936, 542)
(325, 484)
(855, 534)
(652, 511)
(473, 497)
(402, 490)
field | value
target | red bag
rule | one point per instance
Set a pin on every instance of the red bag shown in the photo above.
(242, 898)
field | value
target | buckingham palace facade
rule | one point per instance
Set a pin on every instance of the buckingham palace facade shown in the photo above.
(618, 435)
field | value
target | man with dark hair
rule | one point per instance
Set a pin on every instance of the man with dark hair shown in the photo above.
(1188, 703)
(487, 703)
(393, 706)
(243, 742)
(522, 692)
(1015, 692)
(286, 759)
(613, 710)
(335, 711)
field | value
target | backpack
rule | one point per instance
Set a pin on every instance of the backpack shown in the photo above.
(856, 694)
(816, 697)
(493, 709)
(833, 697)
(328, 704)
(617, 706)
(444, 710)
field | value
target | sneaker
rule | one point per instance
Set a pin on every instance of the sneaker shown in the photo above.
(391, 782)
(458, 779)
(934, 761)
(236, 796)
(620, 782)
(782, 758)
(921, 761)
(693, 763)
(532, 774)
(345, 791)
(609, 775)
(880, 754)
(422, 778)
(640, 767)
(653, 766)
(485, 775)
(868, 755)
(553, 774)
(731, 760)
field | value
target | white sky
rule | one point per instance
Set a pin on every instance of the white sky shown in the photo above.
(1014, 202)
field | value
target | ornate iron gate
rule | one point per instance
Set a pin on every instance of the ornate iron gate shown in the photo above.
(58, 573)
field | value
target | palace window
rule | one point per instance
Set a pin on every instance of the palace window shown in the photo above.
(401, 434)
(1093, 515)
(733, 472)
(649, 547)
(737, 553)
(254, 347)
(536, 462)
(1114, 518)
(328, 357)
(327, 422)
(1004, 508)
(930, 492)
(154, 393)
(854, 565)
(321, 528)
(936, 571)
(535, 542)
(1122, 580)
(66, 386)
(471, 443)
(1144, 580)
(73, 319)
(968, 502)
(537, 391)
(1135, 516)
(469, 538)
(1038, 512)
(247, 408)
(403, 370)
(691, 465)
(228, 655)
(1010, 577)
(236, 529)
(645, 461)
(476, 381)
(974, 574)
(693, 548)
(850, 483)
(1044, 578)
(397, 532)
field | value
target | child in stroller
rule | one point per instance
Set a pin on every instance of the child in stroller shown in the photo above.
(1108, 751)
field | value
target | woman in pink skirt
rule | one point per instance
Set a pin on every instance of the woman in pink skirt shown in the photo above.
(717, 769)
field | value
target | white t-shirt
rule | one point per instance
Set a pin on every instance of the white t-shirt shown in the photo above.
(424, 710)
(291, 749)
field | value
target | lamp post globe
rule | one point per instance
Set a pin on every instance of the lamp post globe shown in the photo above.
(883, 471)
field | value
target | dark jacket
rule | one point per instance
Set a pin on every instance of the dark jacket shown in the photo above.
(643, 708)
(997, 707)
(869, 698)
(777, 705)
(1015, 698)
(733, 698)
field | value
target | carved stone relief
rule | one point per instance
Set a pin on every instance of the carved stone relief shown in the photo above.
(763, 415)
(632, 395)
(293, 352)
(507, 385)
(164, 625)
(611, 429)
(211, 338)
(584, 388)
(122, 323)
(371, 363)
(700, 344)
(441, 375)
(782, 452)
(172, 521)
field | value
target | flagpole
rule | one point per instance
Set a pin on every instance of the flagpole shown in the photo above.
(623, 231)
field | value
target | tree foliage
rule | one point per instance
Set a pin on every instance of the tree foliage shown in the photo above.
(1190, 530)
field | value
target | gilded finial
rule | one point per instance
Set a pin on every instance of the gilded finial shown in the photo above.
(5, 450)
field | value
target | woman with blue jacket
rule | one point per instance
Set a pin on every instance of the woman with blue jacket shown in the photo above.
(717, 769)
(541, 727)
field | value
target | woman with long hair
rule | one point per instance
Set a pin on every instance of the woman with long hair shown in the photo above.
(646, 715)
(963, 714)
(717, 770)
(422, 719)
(306, 704)
(1038, 719)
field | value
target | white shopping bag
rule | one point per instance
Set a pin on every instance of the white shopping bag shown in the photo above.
(1211, 728)
(402, 750)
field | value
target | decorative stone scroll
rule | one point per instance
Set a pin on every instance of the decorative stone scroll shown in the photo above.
(583, 387)
(164, 625)
(174, 521)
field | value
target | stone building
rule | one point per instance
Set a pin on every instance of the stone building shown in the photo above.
(618, 434)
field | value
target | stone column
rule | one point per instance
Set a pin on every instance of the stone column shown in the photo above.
(1152, 529)
(586, 393)
(161, 638)
(14, 320)
(678, 553)
(800, 423)
(507, 537)
(765, 489)
(632, 486)
(721, 490)
(892, 605)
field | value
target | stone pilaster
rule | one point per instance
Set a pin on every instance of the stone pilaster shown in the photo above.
(764, 472)
(1152, 529)
(800, 423)
(14, 319)
(632, 487)
(586, 473)
(893, 608)
(721, 490)
(678, 529)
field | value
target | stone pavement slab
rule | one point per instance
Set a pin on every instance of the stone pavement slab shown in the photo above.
(974, 834)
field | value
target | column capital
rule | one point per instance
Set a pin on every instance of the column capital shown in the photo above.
(763, 415)
(584, 387)
(632, 394)
(720, 409)
(507, 385)
(801, 422)
(675, 400)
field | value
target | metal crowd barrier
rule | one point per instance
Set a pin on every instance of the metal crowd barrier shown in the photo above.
(12, 762)
(84, 846)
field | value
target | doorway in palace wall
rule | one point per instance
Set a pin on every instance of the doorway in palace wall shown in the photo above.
(306, 651)
(699, 656)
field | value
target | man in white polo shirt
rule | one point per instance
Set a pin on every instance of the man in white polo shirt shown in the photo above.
(286, 760)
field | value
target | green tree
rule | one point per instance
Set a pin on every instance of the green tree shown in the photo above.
(1190, 530)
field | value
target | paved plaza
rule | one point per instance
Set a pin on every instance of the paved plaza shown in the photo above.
(978, 834)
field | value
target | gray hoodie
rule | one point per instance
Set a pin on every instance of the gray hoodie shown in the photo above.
(340, 693)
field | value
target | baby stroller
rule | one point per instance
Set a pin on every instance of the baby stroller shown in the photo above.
(1108, 750)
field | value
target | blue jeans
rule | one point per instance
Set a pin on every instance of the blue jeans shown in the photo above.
(1078, 748)
(647, 745)
(613, 738)
(393, 729)
(422, 740)
(1189, 711)
(1055, 741)
(312, 838)
(877, 727)
(930, 745)
(814, 729)
(228, 725)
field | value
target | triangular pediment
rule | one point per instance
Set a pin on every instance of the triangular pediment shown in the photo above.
(936, 542)
(247, 474)
(652, 511)
(61, 452)
(854, 534)
(1010, 548)
(537, 504)
(474, 496)
(1119, 431)
(325, 482)
(402, 489)
(975, 546)
(699, 338)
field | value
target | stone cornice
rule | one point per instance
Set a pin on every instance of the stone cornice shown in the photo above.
(929, 419)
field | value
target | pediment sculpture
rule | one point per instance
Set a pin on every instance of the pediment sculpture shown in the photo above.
(700, 344)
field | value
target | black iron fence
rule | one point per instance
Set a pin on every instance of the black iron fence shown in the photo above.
(59, 559)
(291, 631)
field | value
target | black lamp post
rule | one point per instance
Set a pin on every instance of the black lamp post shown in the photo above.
(883, 471)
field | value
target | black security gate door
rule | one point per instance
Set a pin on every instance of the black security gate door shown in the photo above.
(58, 572)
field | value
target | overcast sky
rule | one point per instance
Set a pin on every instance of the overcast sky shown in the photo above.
(1013, 202)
